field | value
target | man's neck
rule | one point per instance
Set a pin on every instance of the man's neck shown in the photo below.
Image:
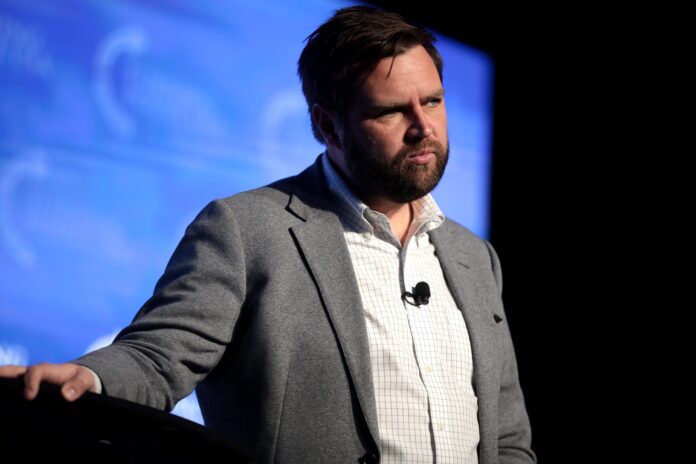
(400, 215)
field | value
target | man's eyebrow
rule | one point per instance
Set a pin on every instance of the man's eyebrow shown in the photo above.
(439, 93)
(382, 106)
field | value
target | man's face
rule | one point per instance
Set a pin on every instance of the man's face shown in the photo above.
(394, 137)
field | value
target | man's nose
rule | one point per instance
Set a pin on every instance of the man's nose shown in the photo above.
(420, 127)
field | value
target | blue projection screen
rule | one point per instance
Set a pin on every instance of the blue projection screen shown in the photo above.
(120, 120)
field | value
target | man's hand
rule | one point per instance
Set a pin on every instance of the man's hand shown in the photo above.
(75, 380)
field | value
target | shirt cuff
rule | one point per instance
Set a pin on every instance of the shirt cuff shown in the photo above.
(97, 382)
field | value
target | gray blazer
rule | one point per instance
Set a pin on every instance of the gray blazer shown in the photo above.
(259, 310)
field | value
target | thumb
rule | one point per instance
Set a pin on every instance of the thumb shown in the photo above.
(78, 384)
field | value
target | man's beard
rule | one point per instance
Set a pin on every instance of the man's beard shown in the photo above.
(395, 179)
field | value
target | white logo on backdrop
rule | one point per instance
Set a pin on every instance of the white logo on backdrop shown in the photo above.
(128, 40)
(285, 148)
(13, 354)
(31, 164)
(145, 92)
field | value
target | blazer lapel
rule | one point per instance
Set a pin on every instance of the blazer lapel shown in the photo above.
(321, 241)
(462, 276)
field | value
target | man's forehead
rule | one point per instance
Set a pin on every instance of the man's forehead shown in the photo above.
(397, 97)
(394, 78)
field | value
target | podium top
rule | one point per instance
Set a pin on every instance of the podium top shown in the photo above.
(98, 428)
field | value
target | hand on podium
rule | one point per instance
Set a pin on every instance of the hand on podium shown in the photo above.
(98, 428)
(73, 379)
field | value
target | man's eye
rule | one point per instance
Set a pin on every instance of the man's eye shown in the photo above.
(387, 113)
(434, 101)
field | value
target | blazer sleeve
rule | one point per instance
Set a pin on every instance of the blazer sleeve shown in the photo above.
(181, 332)
(514, 430)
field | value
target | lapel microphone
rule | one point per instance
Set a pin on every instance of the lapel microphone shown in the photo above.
(420, 295)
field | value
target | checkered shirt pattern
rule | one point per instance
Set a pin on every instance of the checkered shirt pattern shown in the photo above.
(421, 356)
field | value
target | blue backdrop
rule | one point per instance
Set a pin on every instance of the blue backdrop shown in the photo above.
(120, 120)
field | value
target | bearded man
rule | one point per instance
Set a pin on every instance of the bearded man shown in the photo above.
(335, 316)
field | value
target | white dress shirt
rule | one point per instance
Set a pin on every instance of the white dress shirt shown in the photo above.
(422, 366)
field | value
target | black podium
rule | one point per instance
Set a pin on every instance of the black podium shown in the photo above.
(100, 429)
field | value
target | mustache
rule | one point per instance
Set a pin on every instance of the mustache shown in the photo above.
(431, 145)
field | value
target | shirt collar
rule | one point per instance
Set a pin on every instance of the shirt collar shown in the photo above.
(354, 213)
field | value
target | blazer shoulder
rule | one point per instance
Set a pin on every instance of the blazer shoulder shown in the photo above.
(478, 249)
(274, 194)
(456, 229)
(256, 211)
(308, 185)
(463, 237)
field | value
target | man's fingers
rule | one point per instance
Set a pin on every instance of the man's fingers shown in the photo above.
(45, 372)
(75, 379)
(78, 384)
(12, 371)
(32, 379)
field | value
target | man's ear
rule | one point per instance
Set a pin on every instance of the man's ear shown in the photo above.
(328, 126)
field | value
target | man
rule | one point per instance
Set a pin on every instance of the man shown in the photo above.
(296, 309)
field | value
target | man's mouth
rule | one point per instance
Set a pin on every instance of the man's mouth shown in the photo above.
(423, 157)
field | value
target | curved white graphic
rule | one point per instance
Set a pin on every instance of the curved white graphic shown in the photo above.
(280, 156)
(124, 41)
(31, 164)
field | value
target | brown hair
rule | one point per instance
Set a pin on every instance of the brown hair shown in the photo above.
(349, 45)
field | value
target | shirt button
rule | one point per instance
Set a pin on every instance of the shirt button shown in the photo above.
(367, 236)
(440, 427)
(429, 369)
